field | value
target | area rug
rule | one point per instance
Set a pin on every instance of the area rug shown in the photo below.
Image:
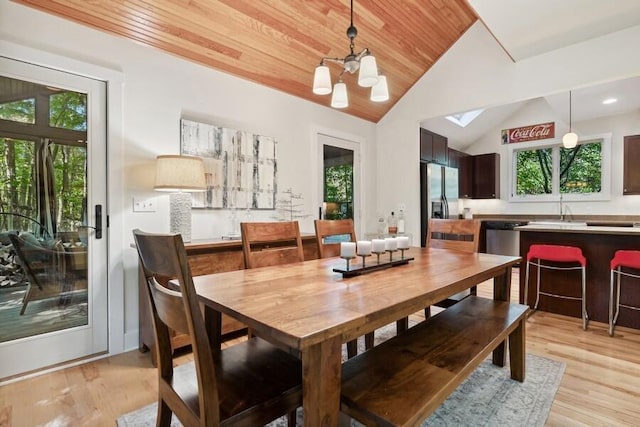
(489, 397)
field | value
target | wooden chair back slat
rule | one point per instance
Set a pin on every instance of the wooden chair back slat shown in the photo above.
(328, 228)
(169, 306)
(271, 243)
(456, 234)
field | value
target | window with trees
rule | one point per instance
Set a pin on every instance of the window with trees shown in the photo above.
(541, 171)
(338, 182)
(43, 153)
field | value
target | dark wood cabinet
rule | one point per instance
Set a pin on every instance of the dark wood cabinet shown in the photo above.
(454, 157)
(205, 257)
(433, 147)
(465, 176)
(486, 176)
(631, 174)
(462, 162)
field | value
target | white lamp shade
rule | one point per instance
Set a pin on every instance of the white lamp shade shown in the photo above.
(380, 91)
(569, 140)
(339, 99)
(179, 173)
(322, 80)
(368, 75)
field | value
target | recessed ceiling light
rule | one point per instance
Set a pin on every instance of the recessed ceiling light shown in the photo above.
(609, 101)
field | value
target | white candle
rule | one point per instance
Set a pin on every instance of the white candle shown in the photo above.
(364, 247)
(390, 244)
(377, 245)
(403, 242)
(347, 249)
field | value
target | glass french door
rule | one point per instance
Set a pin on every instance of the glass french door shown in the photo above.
(53, 251)
(339, 178)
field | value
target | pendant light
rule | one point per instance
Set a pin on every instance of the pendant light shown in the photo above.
(570, 139)
(363, 62)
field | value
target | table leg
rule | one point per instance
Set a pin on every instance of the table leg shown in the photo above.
(213, 323)
(517, 352)
(501, 292)
(321, 372)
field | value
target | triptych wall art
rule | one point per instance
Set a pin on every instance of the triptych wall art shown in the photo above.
(240, 167)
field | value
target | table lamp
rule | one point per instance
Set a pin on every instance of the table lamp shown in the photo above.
(180, 175)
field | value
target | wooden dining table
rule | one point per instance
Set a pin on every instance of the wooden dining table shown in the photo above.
(313, 310)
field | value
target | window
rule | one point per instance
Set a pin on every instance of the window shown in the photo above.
(338, 182)
(546, 172)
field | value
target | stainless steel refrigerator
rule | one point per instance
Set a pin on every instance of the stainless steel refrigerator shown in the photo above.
(438, 194)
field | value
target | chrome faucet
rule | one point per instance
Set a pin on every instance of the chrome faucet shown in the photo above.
(561, 210)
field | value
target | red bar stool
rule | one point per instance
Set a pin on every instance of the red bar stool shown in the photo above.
(557, 253)
(628, 259)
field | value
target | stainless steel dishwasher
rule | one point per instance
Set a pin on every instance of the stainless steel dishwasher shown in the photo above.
(502, 239)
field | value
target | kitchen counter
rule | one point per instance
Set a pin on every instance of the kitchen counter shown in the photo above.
(564, 227)
(598, 244)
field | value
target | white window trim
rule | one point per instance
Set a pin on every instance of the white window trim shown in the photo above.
(603, 195)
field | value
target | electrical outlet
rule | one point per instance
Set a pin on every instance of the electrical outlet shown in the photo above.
(402, 207)
(140, 205)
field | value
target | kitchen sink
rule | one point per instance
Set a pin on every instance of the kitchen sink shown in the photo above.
(559, 223)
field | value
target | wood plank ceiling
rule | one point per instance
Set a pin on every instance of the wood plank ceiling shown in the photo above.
(278, 43)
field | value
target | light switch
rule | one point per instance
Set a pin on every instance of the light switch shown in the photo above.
(147, 205)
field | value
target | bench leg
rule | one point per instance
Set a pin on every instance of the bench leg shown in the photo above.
(402, 325)
(517, 352)
(352, 348)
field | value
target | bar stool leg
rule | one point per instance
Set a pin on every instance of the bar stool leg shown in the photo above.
(585, 316)
(615, 317)
(526, 285)
(535, 307)
(611, 322)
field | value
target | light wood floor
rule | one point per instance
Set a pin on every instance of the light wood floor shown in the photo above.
(600, 387)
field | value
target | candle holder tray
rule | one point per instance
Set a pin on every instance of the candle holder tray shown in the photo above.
(358, 269)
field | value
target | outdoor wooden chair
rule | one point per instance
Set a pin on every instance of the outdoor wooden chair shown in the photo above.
(249, 383)
(47, 269)
(329, 234)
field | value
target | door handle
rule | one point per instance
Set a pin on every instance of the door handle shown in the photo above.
(98, 227)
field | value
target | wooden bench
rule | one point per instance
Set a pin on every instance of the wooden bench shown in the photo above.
(403, 380)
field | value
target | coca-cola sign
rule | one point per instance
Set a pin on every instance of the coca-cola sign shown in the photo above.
(529, 133)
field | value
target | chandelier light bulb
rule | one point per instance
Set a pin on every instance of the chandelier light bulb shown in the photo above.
(570, 140)
(380, 91)
(322, 80)
(368, 75)
(339, 99)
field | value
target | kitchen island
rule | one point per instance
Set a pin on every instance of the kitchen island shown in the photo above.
(598, 244)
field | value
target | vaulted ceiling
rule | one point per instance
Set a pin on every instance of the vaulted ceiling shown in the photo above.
(278, 43)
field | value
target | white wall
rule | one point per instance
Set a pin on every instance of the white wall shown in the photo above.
(476, 73)
(158, 90)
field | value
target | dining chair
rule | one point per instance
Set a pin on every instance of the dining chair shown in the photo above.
(249, 383)
(329, 234)
(454, 234)
(271, 243)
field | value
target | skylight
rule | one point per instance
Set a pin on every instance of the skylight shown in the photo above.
(463, 119)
